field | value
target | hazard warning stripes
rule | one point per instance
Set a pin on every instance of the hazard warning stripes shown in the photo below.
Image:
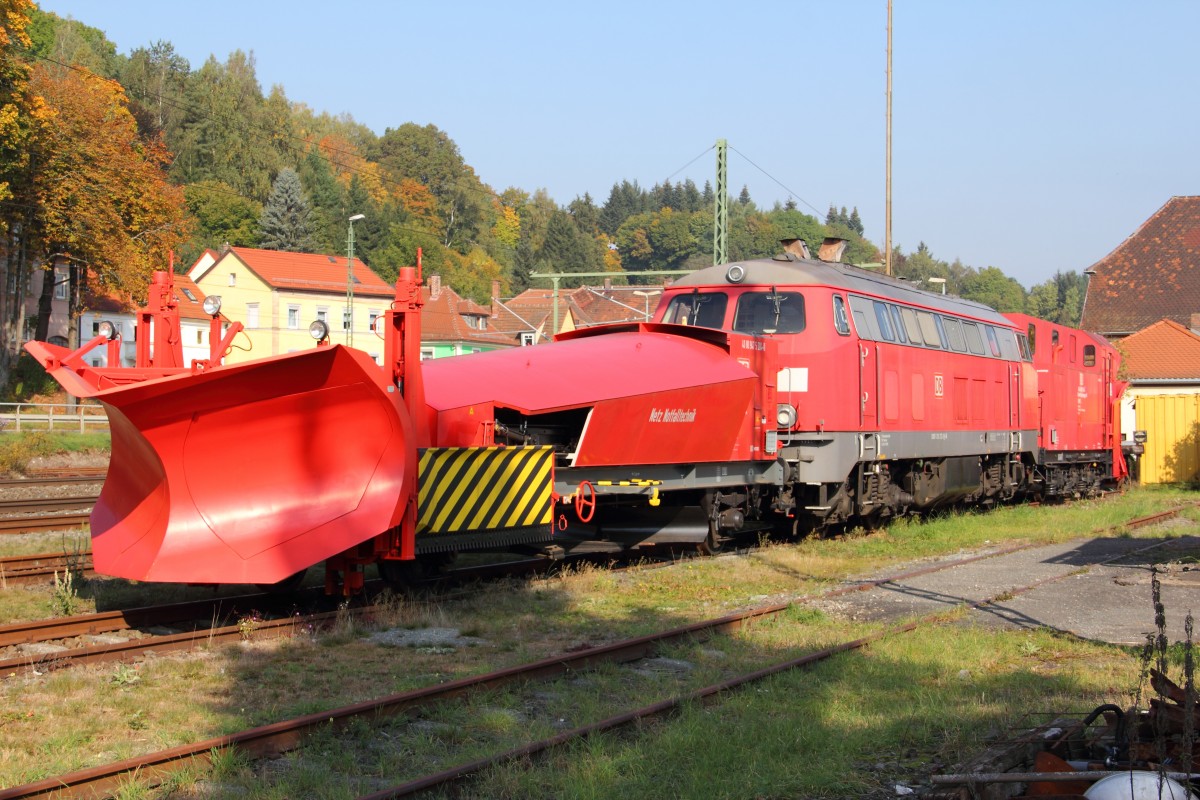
(484, 488)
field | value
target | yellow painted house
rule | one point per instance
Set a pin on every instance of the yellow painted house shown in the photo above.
(277, 294)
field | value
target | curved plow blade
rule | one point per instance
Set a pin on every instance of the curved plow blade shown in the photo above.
(251, 472)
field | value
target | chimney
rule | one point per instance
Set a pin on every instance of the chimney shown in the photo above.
(832, 249)
(435, 286)
(495, 298)
(797, 247)
(608, 284)
(1194, 324)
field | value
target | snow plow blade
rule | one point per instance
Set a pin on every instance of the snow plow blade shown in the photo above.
(266, 468)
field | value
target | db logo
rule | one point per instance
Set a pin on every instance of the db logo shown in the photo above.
(939, 386)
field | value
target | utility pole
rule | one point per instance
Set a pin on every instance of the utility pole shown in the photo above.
(721, 210)
(887, 213)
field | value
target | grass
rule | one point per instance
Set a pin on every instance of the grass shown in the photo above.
(904, 703)
(18, 449)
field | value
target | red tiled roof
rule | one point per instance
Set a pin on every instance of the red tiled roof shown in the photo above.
(442, 319)
(189, 307)
(587, 306)
(191, 299)
(1164, 351)
(1152, 275)
(311, 272)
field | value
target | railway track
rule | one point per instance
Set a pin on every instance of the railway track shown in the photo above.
(43, 523)
(41, 568)
(273, 739)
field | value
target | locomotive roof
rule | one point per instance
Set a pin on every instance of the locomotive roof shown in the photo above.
(788, 270)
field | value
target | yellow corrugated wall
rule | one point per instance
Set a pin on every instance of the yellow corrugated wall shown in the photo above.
(1172, 426)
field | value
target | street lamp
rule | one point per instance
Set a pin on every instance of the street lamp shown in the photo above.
(942, 281)
(647, 295)
(348, 317)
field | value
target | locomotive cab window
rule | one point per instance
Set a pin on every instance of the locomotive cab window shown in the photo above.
(1089, 355)
(702, 309)
(769, 312)
(840, 321)
(1032, 336)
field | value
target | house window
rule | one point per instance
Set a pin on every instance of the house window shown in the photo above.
(60, 285)
(200, 336)
(293, 317)
(372, 315)
(426, 353)
(251, 315)
(528, 338)
(233, 279)
(347, 318)
(323, 313)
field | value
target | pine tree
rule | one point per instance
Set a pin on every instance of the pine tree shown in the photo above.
(744, 197)
(284, 222)
(855, 222)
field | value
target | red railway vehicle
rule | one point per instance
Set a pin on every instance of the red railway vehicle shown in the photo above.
(773, 393)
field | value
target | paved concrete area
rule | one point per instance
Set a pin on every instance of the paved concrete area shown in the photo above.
(1096, 588)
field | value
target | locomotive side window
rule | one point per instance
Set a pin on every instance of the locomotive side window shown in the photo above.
(1072, 347)
(911, 325)
(1026, 353)
(1089, 355)
(941, 329)
(705, 310)
(1008, 344)
(974, 339)
(897, 325)
(769, 312)
(1032, 340)
(991, 337)
(929, 331)
(840, 321)
(1054, 338)
(881, 316)
(954, 333)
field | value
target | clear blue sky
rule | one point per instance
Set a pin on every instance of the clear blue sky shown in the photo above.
(1031, 135)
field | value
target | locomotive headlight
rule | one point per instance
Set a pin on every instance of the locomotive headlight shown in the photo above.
(108, 330)
(319, 330)
(736, 273)
(212, 305)
(785, 415)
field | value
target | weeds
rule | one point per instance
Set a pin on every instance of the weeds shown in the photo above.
(248, 624)
(65, 600)
(125, 675)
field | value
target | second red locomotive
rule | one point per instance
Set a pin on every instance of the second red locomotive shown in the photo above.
(776, 393)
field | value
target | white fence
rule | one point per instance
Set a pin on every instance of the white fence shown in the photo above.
(79, 417)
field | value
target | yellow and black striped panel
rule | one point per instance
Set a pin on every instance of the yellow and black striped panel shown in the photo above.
(465, 489)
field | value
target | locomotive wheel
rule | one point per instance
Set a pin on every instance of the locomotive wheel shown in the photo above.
(712, 543)
(288, 584)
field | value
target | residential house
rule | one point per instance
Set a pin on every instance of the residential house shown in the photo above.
(121, 310)
(278, 294)
(452, 325)
(531, 315)
(1162, 365)
(1152, 275)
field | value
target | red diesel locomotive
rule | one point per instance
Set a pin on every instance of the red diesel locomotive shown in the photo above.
(777, 393)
